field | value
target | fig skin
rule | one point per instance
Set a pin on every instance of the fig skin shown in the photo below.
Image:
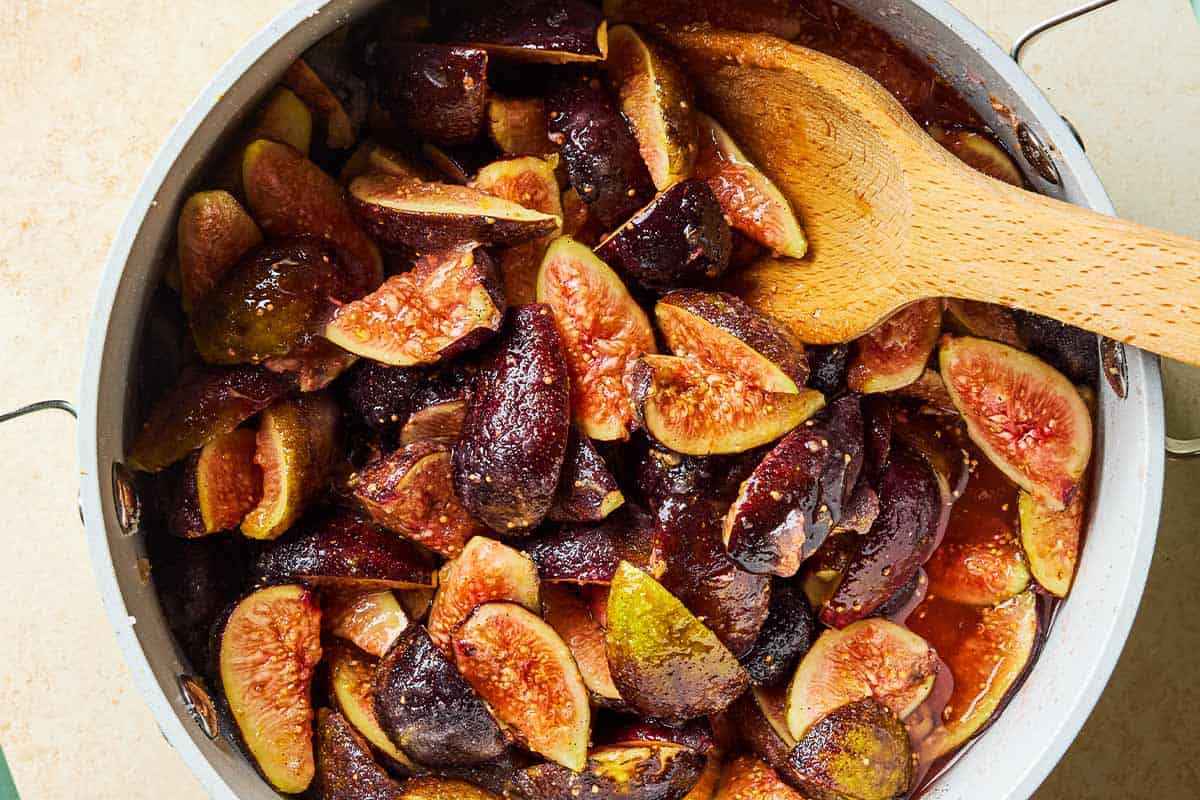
(860, 750)
(787, 634)
(519, 126)
(540, 31)
(1051, 540)
(371, 619)
(218, 485)
(345, 769)
(679, 239)
(570, 617)
(434, 788)
(282, 117)
(370, 156)
(380, 396)
(777, 17)
(663, 474)
(428, 710)
(894, 354)
(645, 772)
(759, 718)
(351, 678)
(985, 320)
(828, 368)
(748, 778)
(213, 232)
(589, 553)
(202, 405)
(514, 438)
(307, 84)
(587, 491)
(437, 422)
(437, 91)
(1072, 351)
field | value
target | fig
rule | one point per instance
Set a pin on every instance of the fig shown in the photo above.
(879, 422)
(428, 710)
(438, 422)
(529, 678)
(283, 117)
(570, 617)
(587, 491)
(590, 553)
(432, 788)
(602, 329)
(796, 495)
(871, 658)
(696, 411)
(781, 18)
(930, 390)
(214, 232)
(372, 619)
(828, 368)
(1072, 351)
(486, 571)
(679, 239)
(986, 649)
(979, 151)
(760, 720)
(315, 364)
(578, 220)
(370, 156)
(748, 778)
(447, 303)
(439, 92)
(723, 332)
(1051, 540)
(787, 634)
(340, 131)
(382, 397)
(664, 474)
(269, 647)
(861, 511)
(296, 444)
(290, 196)
(665, 663)
(459, 165)
(514, 438)
(598, 147)
(894, 354)
(985, 320)
(752, 204)
(202, 405)
(860, 750)
(657, 99)
(639, 772)
(343, 550)
(351, 689)
(942, 441)
(411, 492)
(218, 486)
(519, 126)
(345, 769)
(549, 31)
(709, 780)
(1024, 415)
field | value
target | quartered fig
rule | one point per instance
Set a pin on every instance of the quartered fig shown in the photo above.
(282, 117)
(697, 411)
(545, 31)
(788, 633)
(345, 769)
(486, 571)
(1051, 540)
(895, 353)
(751, 202)
(441, 421)
(680, 239)
(202, 405)
(985, 320)
(428, 710)
(1072, 351)
(268, 648)
(514, 439)
(828, 368)
(930, 390)
(214, 232)
(519, 126)
(570, 617)
(748, 778)
(439, 92)
(448, 303)
(722, 331)
(980, 152)
(798, 493)
(590, 553)
(372, 618)
(1024, 415)
(411, 491)
(315, 364)
(587, 491)
(218, 486)
(296, 444)
(656, 98)
(778, 17)
(664, 661)
(529, 678)
(602, 329)
(307, 84)
(431, 788)
(760, 719)
(351, 689)
(860, 750)
(638, 772)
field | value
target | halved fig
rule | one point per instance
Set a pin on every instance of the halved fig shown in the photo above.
(432, 788)
(590, 553)
(985, 320)
(545, 31)
(448, 303)
(749, 778)
(665, 663)
(828, 368)
(438, 422)
(986, 650)
(372, 619)
(202, 405)
(351, 690)
(345, 769)
(797, 493)
(439, 92)
(632, 772)
(428, 710)
(402, 212)
(214, 232)
(680, 239)
(587, 491)
(315, 364)
(514, 439)
(486, 571)
(980, 152)
(518, 126)
(291, 196)
(895, 353)
(296, 444)
(218, 486)
(860, 750)
(752, 204)
(603, 329)
(411, 492)
(1051, 540)
(269, 647)
(787, 634)
(307, 84)
(370, 156)
(529, 678)
(570, 617)
(598, 148)
(779, 17)
(871, 658)
(1025, 416)
(722, 331)
(656, 97)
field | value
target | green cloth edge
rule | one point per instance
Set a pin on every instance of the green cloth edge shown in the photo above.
(8, 789)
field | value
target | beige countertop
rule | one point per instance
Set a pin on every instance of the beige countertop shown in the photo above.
(88, 91)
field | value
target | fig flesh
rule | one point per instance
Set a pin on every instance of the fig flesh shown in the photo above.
(529, 678)
(860, 750)
(430, 788)
(351, 689)
(680, 239)
(268, 649)
(486, 571)
(895, 353)
(778, 17)
(603, 330)
(787, 634)
(315, 364)
(1024, 415)
(590, 553)
(214, 232)
(587, 491)
(372, 619)
(345, 769)
(543, 31)
(519, 126)
(637, 772)
(1051, 540)
(218, 486)
(438, 422)
(514, 439)
(570, 617)
(748, 778)
(439, 92)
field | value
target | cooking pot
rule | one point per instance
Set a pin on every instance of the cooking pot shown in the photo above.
(1017, 752)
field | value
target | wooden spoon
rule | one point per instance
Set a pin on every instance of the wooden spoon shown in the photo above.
(892, 217)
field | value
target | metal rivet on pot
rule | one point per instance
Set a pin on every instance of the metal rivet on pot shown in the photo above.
(1036, 153)
(125, 499)
(199, 705)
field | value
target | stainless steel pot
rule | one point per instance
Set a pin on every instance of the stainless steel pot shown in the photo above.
(1008, 762)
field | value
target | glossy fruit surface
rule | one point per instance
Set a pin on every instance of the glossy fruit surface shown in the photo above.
(570, 617)
(587, 490)
(589, 553)
(518, 126)
(218, 486)
(372, 619)
(351, 678)
(860, 750)
(895, 353)
(214, 232)
(345, 769)
(787, 634)
(1051, 540)
(486, 571)
(541, 31)
(644, 772)
(414, 79)
(748, 778)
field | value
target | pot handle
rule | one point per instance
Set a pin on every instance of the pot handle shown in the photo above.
(43, 405)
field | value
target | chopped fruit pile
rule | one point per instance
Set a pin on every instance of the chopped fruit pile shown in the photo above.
(481, 484)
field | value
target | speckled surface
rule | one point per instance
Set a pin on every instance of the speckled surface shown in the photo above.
(89, 90)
